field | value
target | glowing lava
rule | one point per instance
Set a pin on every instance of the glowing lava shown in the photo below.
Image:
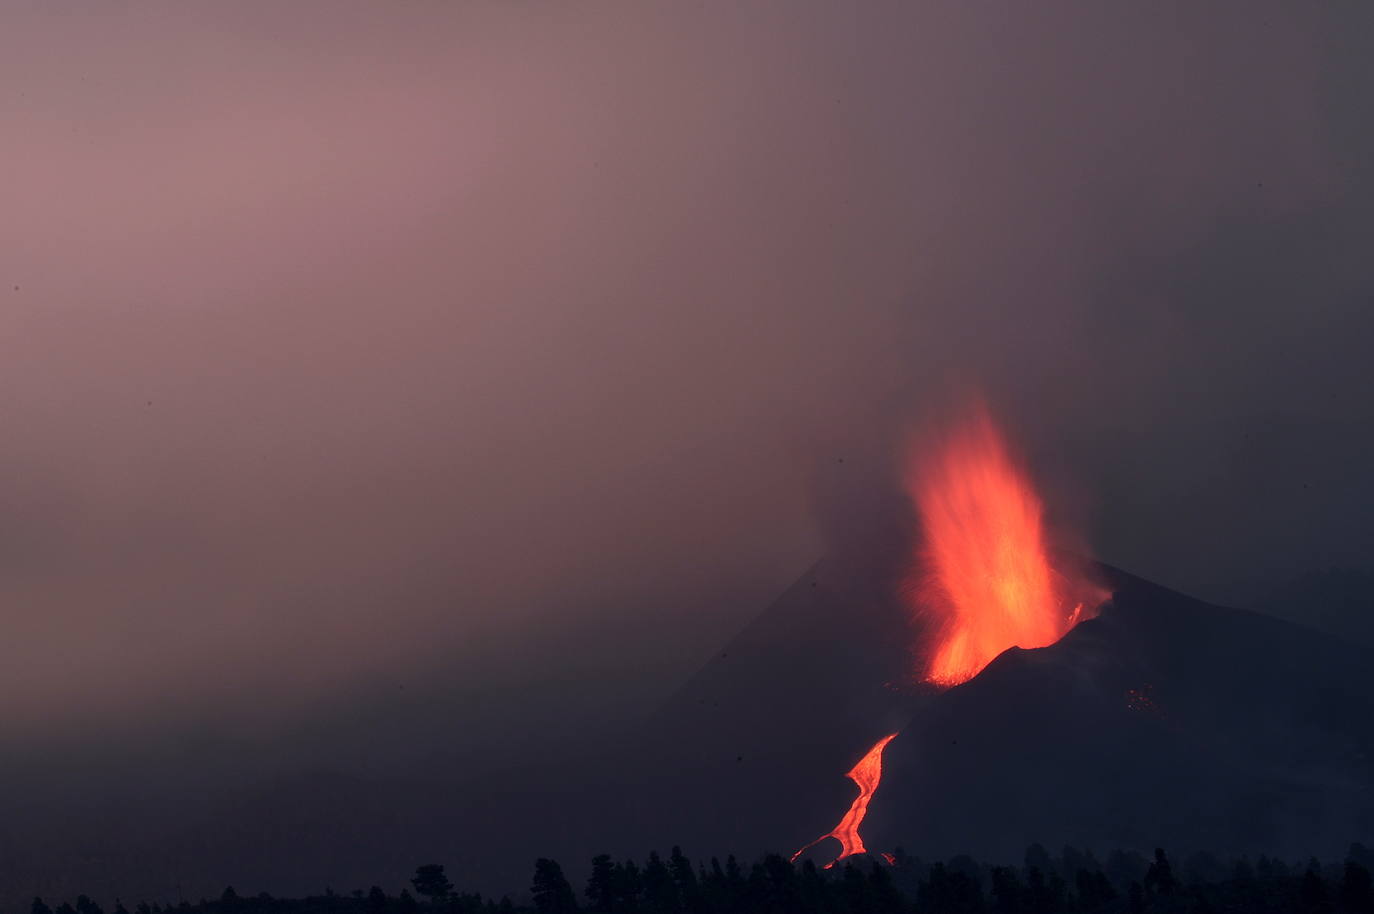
(988, 582)
(866, 773)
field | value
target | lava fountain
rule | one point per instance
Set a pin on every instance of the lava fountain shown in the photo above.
(985, 583)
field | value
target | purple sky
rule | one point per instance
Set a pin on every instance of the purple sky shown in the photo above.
(520, 342)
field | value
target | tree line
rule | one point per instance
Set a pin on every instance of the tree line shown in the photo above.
(1072, 882)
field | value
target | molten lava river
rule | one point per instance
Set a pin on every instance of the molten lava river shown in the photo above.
(985, 582)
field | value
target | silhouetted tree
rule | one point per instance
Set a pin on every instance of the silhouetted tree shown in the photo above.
(1355, 888)
(812, 890)
(854, 888)
(688, 890)
(885, 899)
(1071, 860)
(1159, 878)
(628, 886)
(429, 880)
(675, 885)
(1038, 858)
(465, 903)
(1006, 890)
(716, 888)
(1095, 890)
(948, 890)
(963, 863)
(601, 885)
(1123, 868)
(1044, 895)
(772, 886)
(1270, 868)
(550, 888)
(1202, 868)
(1137, 899)
(660, 892)
(1312, 893)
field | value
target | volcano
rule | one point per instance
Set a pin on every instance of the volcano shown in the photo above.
(1164, 721)
(1040, 698)
(980, 579)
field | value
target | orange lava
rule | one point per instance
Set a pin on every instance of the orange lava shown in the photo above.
(988, 581)
(867, 773)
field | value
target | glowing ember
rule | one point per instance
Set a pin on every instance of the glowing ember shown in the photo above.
(988, 581)
(867, 773)
(1142, 700)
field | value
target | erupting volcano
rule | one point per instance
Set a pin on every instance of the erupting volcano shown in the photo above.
(984, 582)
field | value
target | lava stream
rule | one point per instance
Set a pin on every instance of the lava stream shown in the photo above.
(866, 773)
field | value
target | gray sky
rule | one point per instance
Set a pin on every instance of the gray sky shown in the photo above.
(517, 345)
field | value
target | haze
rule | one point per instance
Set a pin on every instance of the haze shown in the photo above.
(477, 369)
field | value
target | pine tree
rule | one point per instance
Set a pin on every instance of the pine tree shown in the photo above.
(429, 880)
(1159, 878)
(660, 893)
(628, 886)
(688, 889)
(552, 893)
(1006, 890)
(1355, 888)
(885, 899)
(601, 885)
(1312, 893)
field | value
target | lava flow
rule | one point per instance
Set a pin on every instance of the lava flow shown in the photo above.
(866, 773)
(987, 582)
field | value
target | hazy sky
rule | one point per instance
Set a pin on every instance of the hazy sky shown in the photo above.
(519, 344)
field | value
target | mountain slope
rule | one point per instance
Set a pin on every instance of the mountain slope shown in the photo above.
(1164, 721)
